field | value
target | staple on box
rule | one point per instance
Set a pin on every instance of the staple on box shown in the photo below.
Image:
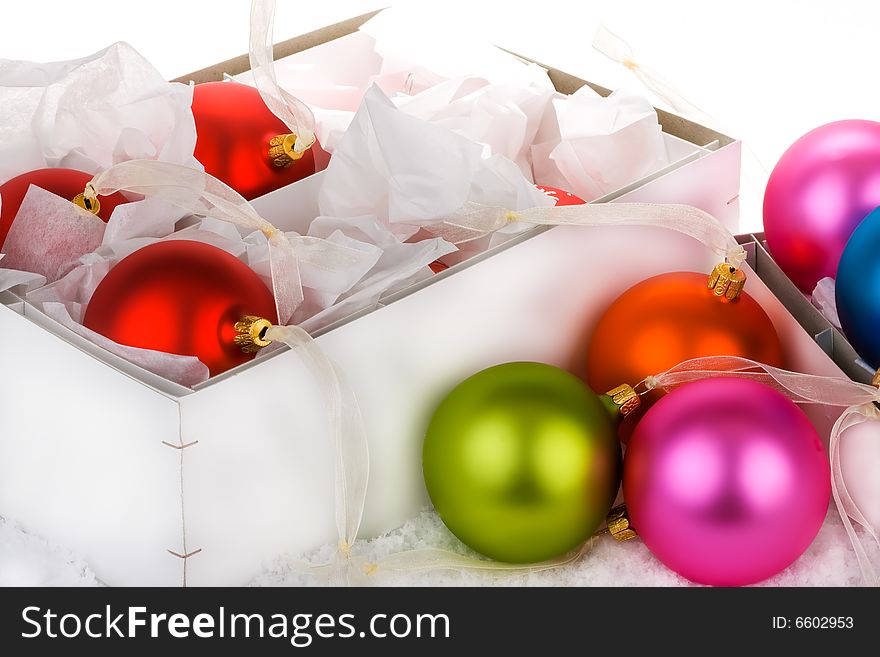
(181, 446)
(185, 556)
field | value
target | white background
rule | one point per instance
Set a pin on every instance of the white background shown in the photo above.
(765, 71)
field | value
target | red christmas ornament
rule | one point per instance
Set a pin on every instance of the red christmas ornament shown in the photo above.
(67, 183)
(562, 197)
(242, 143)
(183, 297)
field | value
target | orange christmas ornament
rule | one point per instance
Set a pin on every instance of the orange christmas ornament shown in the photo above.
(674, 317)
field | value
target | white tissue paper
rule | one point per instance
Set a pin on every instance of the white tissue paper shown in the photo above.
(185, 370)
(394, 173)
(20, 282)
(400, 264)
(504, 116)
(408, 172)
(90, 113)
(590, 145)
(823, 298)
(496, 100)
(584, 143)
(86, 114)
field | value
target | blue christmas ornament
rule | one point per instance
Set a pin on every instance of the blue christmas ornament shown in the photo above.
(857, 289)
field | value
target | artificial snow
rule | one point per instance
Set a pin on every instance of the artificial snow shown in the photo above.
(27, 560)
(829, 561)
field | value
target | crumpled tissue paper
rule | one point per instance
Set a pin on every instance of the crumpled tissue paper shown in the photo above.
(824, 300)
(85, 114)
(90, 113)
(583, 143)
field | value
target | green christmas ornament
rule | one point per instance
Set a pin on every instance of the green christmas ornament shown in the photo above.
(522, 460)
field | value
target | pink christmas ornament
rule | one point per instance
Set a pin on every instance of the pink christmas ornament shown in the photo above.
(726, 481)
(819, 191)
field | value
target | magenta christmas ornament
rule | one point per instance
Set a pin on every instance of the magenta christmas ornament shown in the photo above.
(726, 481)
(818, 192)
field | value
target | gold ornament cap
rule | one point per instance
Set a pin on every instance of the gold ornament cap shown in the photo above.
(93, 205)
(251, 332)
(281, 150)
(619, 525)
(726, 281)
(625, 398)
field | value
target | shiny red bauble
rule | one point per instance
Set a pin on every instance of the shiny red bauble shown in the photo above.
(234, 128)
(180, 297)
(561, 196)
(67, 183)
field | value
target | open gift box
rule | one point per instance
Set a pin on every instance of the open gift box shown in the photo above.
(154, 483)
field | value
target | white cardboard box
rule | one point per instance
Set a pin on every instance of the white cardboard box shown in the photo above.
(156, 484)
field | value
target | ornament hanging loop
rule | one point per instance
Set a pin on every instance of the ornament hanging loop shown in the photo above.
(648, 383)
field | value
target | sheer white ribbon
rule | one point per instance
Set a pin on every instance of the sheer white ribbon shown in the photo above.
(293, 112)
(474, 221)
(803, 388)
(846, 506)
(349, 440)
(618, 50)
(203, 194)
